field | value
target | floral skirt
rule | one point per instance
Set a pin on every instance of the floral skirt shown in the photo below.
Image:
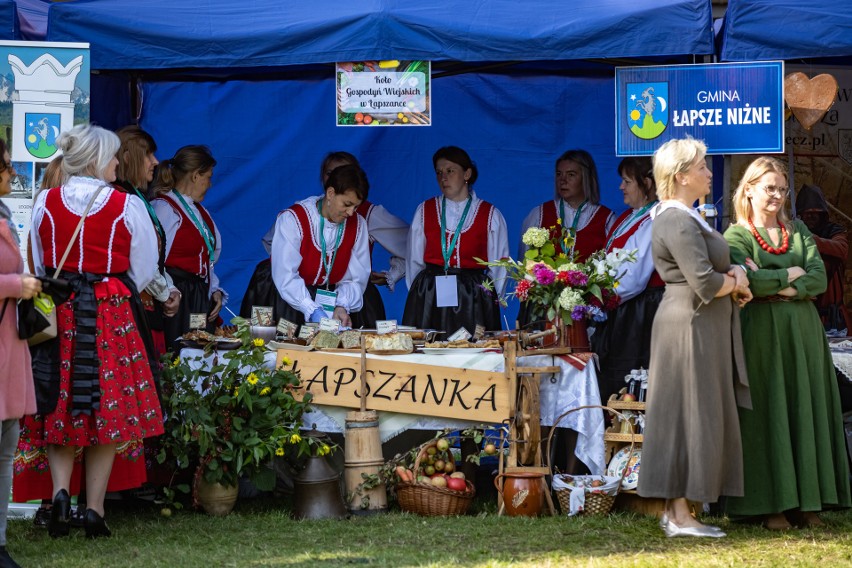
(129, 409)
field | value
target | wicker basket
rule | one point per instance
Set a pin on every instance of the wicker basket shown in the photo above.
(431, 501)
(596, 503)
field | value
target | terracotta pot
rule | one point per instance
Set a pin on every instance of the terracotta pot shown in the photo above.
(216, 499)
(522, 493)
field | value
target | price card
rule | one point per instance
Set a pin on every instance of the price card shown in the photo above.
(261, 315)
(386, 326)
(306, 332)
(329, 324)
(327, 300)
(446, 291)
(197, 321)
(460, 333)
(479, 332)
(286, 328)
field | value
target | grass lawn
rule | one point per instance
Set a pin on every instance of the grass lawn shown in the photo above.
(261, 533)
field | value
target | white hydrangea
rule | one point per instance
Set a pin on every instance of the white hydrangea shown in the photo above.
(569, 298)
(569, 266)
(536, 237)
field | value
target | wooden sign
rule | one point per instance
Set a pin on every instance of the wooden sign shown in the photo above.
(397, 386)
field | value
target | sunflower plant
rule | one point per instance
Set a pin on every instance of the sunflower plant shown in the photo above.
(228, 414)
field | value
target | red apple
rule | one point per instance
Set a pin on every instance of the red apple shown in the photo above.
(628, 397)
(456, 484)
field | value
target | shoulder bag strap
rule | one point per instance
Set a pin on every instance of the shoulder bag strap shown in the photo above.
(77, 231)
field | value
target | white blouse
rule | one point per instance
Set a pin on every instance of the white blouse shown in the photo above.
(76, 194)
(171, 220)
(634, 281)
(498, 240)
(385, 228)
(286, 259)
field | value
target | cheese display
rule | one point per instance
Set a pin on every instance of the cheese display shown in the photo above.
(350, 339)
(390, 342)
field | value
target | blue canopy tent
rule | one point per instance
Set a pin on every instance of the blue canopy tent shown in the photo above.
(8, 21)
(786, 29)
(254, 80)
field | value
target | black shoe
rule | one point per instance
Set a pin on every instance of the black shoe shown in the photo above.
(42, 517)
(6, 560)
(60, 515)
(95, 525)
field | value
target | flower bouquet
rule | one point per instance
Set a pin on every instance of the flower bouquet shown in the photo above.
(558, 288)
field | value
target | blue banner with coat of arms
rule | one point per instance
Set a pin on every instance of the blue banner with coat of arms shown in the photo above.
(735, 108)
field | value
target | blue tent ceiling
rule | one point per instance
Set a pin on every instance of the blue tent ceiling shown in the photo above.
(786, 29)
(156, 34)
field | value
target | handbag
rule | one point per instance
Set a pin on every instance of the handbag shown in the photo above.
(37, 316)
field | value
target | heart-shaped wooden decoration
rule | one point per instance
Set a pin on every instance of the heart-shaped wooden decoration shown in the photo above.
(809, 99)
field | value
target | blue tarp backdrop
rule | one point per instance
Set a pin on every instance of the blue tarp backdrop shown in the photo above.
(786, 29)
(262, 94)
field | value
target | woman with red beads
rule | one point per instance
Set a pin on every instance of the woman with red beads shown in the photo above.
(94, 385)
(795, 462)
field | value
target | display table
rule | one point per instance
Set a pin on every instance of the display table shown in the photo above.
(575, 385)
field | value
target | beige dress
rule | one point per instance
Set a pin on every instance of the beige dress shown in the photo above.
(697, 373)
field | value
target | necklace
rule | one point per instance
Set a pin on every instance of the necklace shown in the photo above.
(785, 240)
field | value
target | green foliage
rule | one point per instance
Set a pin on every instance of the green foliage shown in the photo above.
(232, 417)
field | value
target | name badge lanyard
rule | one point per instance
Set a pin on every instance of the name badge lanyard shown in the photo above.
(327, 263)
(446, 251)
(627, 223)
(574, 223)
(202, 227)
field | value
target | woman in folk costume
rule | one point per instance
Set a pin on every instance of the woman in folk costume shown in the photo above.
(321, 254)
(623, 341)
(136, 166)
(193, 242)
(448, 234)
(93, 381)
(575, 206)
(384, 228)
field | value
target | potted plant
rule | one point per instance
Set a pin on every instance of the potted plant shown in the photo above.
(558, 288)
(231, 418)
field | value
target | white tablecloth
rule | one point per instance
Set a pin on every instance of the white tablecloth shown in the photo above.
(571, 388)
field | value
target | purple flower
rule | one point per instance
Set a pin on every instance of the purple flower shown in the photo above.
(544, 275)
(578, 313)
(596, 314)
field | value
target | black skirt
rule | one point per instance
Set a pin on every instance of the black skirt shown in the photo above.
(195, 299)
(261, 291)
(477, 306)
(623, 341)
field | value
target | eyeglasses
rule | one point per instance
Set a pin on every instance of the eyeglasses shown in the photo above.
(775, 190)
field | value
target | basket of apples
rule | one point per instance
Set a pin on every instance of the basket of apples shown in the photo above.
(433, 488)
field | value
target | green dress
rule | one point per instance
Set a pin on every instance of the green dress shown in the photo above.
(793, 444)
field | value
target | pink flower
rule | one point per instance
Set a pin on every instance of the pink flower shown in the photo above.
(544, 275)
(577, 278)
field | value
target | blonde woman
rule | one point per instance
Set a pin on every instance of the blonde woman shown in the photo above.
(696, 371)
(793, 446)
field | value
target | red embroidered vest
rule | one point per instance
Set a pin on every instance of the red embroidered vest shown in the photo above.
(311, 269)
(189, 251)
(103, 245)
(621, 240)
(472, 242)
(589, 239)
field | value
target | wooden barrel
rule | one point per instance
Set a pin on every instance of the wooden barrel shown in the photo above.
(363, 454)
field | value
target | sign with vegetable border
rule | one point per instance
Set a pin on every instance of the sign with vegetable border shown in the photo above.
(384, 93)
